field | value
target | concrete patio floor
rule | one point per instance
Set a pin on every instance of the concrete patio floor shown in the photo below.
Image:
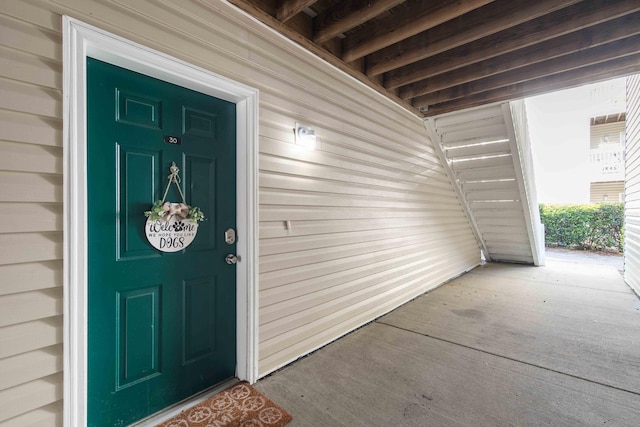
(503, 345)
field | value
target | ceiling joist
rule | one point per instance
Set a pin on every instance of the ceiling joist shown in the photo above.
(411, 20)
(290, 8)
(597, 55)
(464, 29)
(625, 66)
(546, 28)
(347, 15)
(571, 43)
(436, 56)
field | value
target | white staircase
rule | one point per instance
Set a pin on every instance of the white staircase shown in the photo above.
(487, 155)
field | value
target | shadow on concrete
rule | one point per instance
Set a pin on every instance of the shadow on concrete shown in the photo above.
(501, 345)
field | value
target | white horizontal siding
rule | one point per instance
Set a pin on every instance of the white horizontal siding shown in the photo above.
(30, 129)
(28, 98)
(31, 218)
(30, 276)
(17, 28)
(606, 191)
(32, 305)
(373, 218)
(40, 363)
(632, 185)
(42, 247)
(28, 336)
(49, 415)
(22, 398)
(18, 156)
(319, 332)
(30, 187)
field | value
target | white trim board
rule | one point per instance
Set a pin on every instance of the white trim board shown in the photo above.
(82, 40)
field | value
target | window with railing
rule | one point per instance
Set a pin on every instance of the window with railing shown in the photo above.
(607, 141)
(607, 162)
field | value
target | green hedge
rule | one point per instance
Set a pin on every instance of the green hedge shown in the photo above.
(591, 227)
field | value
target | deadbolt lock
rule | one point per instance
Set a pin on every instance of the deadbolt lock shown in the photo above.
(230, 236)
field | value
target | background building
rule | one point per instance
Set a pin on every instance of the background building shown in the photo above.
(577, 140)
(606, 158)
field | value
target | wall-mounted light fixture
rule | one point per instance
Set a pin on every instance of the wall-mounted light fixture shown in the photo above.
(305, 136)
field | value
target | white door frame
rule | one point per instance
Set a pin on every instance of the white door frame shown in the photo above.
(82, 40)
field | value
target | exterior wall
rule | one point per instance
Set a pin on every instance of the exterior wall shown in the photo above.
(31, 354)
(374, 219)
(612, 191)
(632, 186)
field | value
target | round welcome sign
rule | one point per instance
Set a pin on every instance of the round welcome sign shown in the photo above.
(171, 227)
(171, 235)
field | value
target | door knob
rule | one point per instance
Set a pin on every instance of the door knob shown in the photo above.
(231, 259)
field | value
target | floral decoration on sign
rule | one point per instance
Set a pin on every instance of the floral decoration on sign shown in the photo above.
(163, 211)
(170, 226)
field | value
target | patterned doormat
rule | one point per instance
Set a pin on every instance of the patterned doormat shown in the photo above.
(237, 406)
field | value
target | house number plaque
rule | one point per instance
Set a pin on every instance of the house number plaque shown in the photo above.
(173, 140)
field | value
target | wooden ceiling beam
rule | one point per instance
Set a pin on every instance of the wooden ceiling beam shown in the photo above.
(414, 19)
(596, 55)
(348, 14)
(465, 29)
(564, 21)
(620, 67)
(607, 32)
(271, 21)
(287, 9)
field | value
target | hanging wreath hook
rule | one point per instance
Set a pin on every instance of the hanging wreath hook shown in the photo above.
(173, 176)
(158, 210)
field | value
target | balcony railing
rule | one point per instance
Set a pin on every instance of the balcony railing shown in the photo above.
(607, 164)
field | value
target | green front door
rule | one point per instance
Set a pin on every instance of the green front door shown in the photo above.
(161, 326)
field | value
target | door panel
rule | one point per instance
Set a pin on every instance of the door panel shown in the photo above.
(161, 326)
(138, 335)
(200, 174)
(136, 170)
(199, 325)
(137, 109)
(199, 123)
